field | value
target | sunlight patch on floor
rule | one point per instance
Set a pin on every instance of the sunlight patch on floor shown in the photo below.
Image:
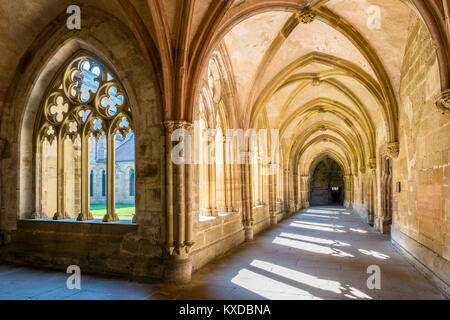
(314, 239)
(319, 224)
(312, 281)
(358, 230)
(311, 247)
(312, 227)
(268, 287)
(317, 216)
(320, 211)
(374, 253)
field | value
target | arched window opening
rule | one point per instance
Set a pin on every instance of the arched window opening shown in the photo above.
(83, 112)
(132, 183)
(103, 183)
(91, 184)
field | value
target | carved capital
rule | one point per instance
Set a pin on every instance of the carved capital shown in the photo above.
(173, 125)
(393, 149)
(306, 16)
(180, 249)
(442, 102)
(372, 164)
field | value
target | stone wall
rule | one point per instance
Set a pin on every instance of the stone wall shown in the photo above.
(421, 218)
(94, 247)
(111, 248)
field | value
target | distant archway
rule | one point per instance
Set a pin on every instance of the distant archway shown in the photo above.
(327, 183)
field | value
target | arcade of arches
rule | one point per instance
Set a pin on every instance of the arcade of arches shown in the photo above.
(273, 106)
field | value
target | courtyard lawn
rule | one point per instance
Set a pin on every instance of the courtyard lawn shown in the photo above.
(122, 210)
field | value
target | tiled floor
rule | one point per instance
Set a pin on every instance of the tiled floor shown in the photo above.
(320, 253)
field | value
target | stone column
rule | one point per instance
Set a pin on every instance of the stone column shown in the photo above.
(178, 234)
(296, 193)
(85, 213)
(261, 182)
(348, 190)
(212, 209)
(227, 174)
(38, 210)
(272, 196)
(110, 178)
(304, 180)
(61, 184)
(286, 191)
(266, 182)
(246, 195)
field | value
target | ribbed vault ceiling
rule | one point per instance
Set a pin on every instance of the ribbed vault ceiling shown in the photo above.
(331, 85)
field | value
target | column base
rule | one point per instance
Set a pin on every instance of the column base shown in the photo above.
(85, 217)
(212, 212)
(178, 270)
(59, 216)
(248, 233)
(273, 219)
(110, 218)
(385, 228)
(35, 215)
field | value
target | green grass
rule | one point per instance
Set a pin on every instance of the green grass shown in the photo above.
(122, 210)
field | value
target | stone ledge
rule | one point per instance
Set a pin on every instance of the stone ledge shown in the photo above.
(433, 266)
(118, 227)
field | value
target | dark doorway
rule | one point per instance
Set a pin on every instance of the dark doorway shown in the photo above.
(327, 184)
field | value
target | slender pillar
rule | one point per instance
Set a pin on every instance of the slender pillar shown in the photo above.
(178, 231)
(38, 211)
(348, 191)
(246, 194)
(304, 180)
(212, 209)
(296, 192)
(61, 184)
(286, 191)
(110, 178)
(227, 175)
(85, 213)
(272, 196)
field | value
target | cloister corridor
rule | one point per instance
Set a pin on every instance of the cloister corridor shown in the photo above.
(319, 253)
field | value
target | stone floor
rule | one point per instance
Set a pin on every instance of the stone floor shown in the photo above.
(320, 253)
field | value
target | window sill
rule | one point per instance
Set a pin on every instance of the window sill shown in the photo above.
(202, 218)
(74, 220)
(206, 218)
(224, 214)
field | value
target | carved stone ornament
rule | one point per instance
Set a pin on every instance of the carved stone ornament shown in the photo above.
(393, 149)
(443, 102)
(372, 164)
(306, 16)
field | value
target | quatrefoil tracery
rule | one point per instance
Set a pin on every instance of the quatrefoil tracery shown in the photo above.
(86, 100)
(110, 99)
